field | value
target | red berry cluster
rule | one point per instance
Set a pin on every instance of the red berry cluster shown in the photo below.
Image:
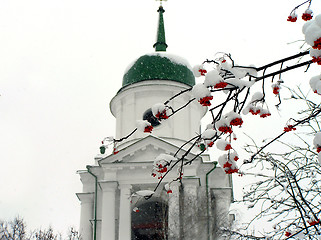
(228, 147)
(161, 115)
(236, 122)
(288, 234)
(292, 19)
(205, 101)
(220, 85)
(276, 90)
(316, 60)
(115, 151)
(319, 149)
(202, 71)
(264, 115)
(210, 144)
(317, 44)
(314, 222)
(254, 111)
(229, 170)
(148, 129)
(225, 129)
(289, 128)
(306, 16)
(161, 168)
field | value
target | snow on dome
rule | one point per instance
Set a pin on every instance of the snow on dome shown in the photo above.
(130, 65)
(173, 58)
(159, 66)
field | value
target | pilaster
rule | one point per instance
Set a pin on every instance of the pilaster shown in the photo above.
(174, 215)
(108, 210)
(190, 186)
(86, 215)
(125, 212)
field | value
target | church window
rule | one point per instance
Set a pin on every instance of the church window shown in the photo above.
(148, 115)
(150, 222)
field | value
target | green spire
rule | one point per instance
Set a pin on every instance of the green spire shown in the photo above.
(160, 45)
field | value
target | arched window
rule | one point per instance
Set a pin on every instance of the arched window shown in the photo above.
(148, 115)
(151, 222)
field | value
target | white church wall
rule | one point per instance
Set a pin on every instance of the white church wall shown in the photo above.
(130, 104)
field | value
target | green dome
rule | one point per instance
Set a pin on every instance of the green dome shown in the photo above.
(159, 66)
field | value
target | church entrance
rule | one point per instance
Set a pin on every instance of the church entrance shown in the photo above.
(151, 222)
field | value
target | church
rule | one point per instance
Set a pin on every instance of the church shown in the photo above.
(197, 204)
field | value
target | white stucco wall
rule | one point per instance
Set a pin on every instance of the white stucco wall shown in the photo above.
(130, 104)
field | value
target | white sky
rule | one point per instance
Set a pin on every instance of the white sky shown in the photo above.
(62, 61)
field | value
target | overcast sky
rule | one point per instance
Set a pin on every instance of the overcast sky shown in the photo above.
(62, 61)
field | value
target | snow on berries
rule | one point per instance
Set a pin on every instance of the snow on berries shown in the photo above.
(159, 111)
(199, 70)
(315, 84)
(144, 126)
(316, 55)
(254, 109)
(223, 125)
(202, 94)
(228, 163)
(161, 164)
(276, 88)
(168, 188)
(292, 17)
(208, 136)
(213, 79)
(223, 145)
(135, 209)
(234, 119)
(317, 141)
(265, 113)
(307, 15)
(312, 32)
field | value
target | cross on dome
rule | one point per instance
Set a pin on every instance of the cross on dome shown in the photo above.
(161, 1)
(160, 45)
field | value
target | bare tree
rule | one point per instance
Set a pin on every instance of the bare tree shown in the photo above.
(288, 192)
(16, 230)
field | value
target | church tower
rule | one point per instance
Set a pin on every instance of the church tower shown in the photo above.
(113, 206)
